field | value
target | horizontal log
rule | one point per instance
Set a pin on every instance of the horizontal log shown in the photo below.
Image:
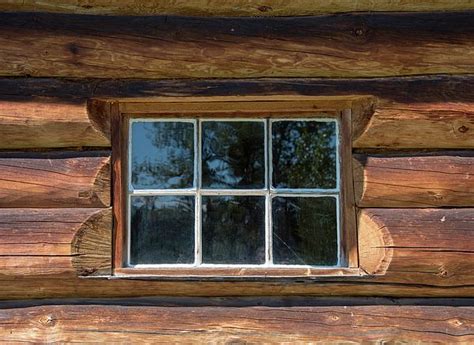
(360, 324)
(411, 113)
(414, 180)
(422, 125)
(348, 46)
(231, 7)
(47, 122)
(406, 252)
(36, 242)
(422, 246)
(55, 180)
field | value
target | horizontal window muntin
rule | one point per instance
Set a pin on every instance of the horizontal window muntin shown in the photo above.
(268, 192)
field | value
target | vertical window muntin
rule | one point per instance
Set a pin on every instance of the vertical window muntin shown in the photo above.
(269, 192)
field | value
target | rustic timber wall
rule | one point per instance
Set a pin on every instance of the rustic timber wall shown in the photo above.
(413, 161)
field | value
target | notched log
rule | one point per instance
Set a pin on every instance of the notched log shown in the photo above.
(419, 125)
(362, 112)
(99, 112)
(91, 246)
(47, 122)
(426, 246)
(375, 245)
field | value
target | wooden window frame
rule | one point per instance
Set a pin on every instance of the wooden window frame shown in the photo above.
(274, 107)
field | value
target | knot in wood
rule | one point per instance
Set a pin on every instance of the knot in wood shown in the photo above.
(358, 32)
(443, 272)
(463, 129)
(264, 8)
(48, 320)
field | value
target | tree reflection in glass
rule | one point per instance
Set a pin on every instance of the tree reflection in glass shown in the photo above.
(304, 231)
(162, 154)
(233, 154)
(233, 229)
(162, 230)
(304, 154)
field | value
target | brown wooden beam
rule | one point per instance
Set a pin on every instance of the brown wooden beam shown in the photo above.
(55, 180)
(421, 112)
(41, 242)
(334, 324)
(413, 180)
(406, 252)
(420, 246)
(177, 47)
(232, 7)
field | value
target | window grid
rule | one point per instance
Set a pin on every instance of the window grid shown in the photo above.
(268, 192)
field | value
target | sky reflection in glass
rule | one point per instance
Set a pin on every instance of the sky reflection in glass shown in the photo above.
(162, 155)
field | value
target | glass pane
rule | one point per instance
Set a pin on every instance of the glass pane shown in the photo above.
(304, 231)
(304, 154)
(162, 230)
(233, 229)
(162, 154)
(233, 154)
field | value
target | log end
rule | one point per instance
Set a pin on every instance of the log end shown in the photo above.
(102, 182)
(375, 244)
(91, 246)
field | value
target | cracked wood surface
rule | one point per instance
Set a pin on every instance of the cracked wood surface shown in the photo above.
(232, 7)
(413, 180)
(406, 252)
(418, 245)
(334, 324)
(348, 46)
(61, 179)
(36, 242)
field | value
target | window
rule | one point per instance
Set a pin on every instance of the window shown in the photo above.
(214, 193)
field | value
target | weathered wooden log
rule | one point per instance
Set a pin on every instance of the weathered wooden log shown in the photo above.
(46, 122)
(423, 125)
(175, 47)
(411, 112)
(74, 241)
(406, 252)
(420, 246)
(231, 7)
(55, 180)
(150, 324)
(414, 181)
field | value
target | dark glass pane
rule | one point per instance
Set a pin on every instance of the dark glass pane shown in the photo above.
(233, 229)
(162, 230)
(162, 154)
(304, 231)
(304, 154)
(233, 154)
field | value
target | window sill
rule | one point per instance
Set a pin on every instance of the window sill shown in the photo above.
(237, 272)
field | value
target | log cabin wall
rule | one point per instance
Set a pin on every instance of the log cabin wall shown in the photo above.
(413, 165)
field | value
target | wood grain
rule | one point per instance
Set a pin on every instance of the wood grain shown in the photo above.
(413, 180)
(67, 179)
(421, 112)
(407, 252)
(176, 47)
(423, 125)
(420, 246)
(47, 122)
(149, 324)
(231, 7)
(36, 242)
